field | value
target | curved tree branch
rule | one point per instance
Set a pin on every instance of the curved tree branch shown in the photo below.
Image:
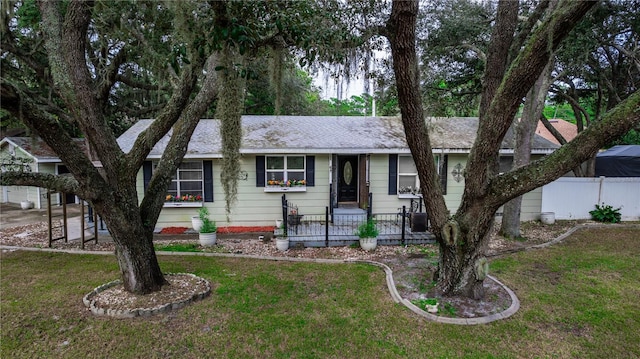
(498, 115)
(138, 84)
(59, 183)
(106, 82)
(8, 45)
(47, 127)
(534, 18)
(165, 119)
(574, 104)
(556, 134)
(615, 123)
(177, 146)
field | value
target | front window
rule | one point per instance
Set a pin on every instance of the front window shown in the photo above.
(408, 180)
(187, 185)
(285, 171)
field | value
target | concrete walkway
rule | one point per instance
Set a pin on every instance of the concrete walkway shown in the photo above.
(12, 215)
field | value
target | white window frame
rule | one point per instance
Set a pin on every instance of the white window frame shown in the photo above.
(417, 178)
(285, 174)
(176, 179)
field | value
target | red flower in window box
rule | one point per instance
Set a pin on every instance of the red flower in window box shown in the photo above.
(185, 198)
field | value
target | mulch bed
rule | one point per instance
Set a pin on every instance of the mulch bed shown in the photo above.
(223, 230)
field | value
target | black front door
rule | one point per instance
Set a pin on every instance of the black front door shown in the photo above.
(347, 178)
(69, 197)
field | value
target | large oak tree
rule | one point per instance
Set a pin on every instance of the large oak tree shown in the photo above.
(463, 236)
(74, 66)
(57, 75)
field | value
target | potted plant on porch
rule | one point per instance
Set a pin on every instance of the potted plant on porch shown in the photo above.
(207, 235)
(368, 234)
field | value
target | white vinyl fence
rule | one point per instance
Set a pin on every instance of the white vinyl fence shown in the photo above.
(573, 198)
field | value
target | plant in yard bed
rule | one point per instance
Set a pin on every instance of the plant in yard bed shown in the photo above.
(428, 304)
(208, 229)
(450, 310)
(177, 247)
(368, 234)
(606, 213)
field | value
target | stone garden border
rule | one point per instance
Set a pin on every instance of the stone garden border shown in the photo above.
(515, 303)
(90, 303)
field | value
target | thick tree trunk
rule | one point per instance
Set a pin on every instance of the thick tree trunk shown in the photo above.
(524, 129)
(511, 212)
(137, 259)
(136, 256)
(463, 267)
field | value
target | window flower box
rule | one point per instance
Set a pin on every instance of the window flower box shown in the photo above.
(289, 183)
(285, 189)
(183, 204)
(187, 201)
(286, 186)
(409, 192)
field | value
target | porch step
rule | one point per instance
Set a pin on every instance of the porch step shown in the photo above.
(344, 216)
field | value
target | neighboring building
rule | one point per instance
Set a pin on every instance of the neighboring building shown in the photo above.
(41, 158)
(619, 161)
(568, 130)
(327, 162)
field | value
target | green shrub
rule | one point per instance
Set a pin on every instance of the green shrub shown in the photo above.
(208, 226)
(367, 229)
(606, 213)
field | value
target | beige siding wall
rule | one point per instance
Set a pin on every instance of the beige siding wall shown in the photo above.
(255, 207)
(385, 203)
(531, 205)
(454, 189)
(16, 194)
(55, 199)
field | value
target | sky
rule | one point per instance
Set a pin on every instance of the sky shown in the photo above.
(338, 88)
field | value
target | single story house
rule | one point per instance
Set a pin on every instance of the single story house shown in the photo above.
(37, 157)
(318, 162)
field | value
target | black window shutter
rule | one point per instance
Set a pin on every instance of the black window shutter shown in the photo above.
(207, 168)
(311, 171)
(147, 172)
(393, 174)
(260, 171)
(443, 173)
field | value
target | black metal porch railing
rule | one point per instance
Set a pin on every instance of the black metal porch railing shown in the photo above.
(333, 229)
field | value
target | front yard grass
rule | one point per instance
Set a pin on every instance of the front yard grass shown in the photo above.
(579, 299)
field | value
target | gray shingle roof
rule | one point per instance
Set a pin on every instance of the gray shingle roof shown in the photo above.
(37, 148)
(315, 134)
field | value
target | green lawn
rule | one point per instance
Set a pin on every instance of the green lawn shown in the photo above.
(579, 299)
